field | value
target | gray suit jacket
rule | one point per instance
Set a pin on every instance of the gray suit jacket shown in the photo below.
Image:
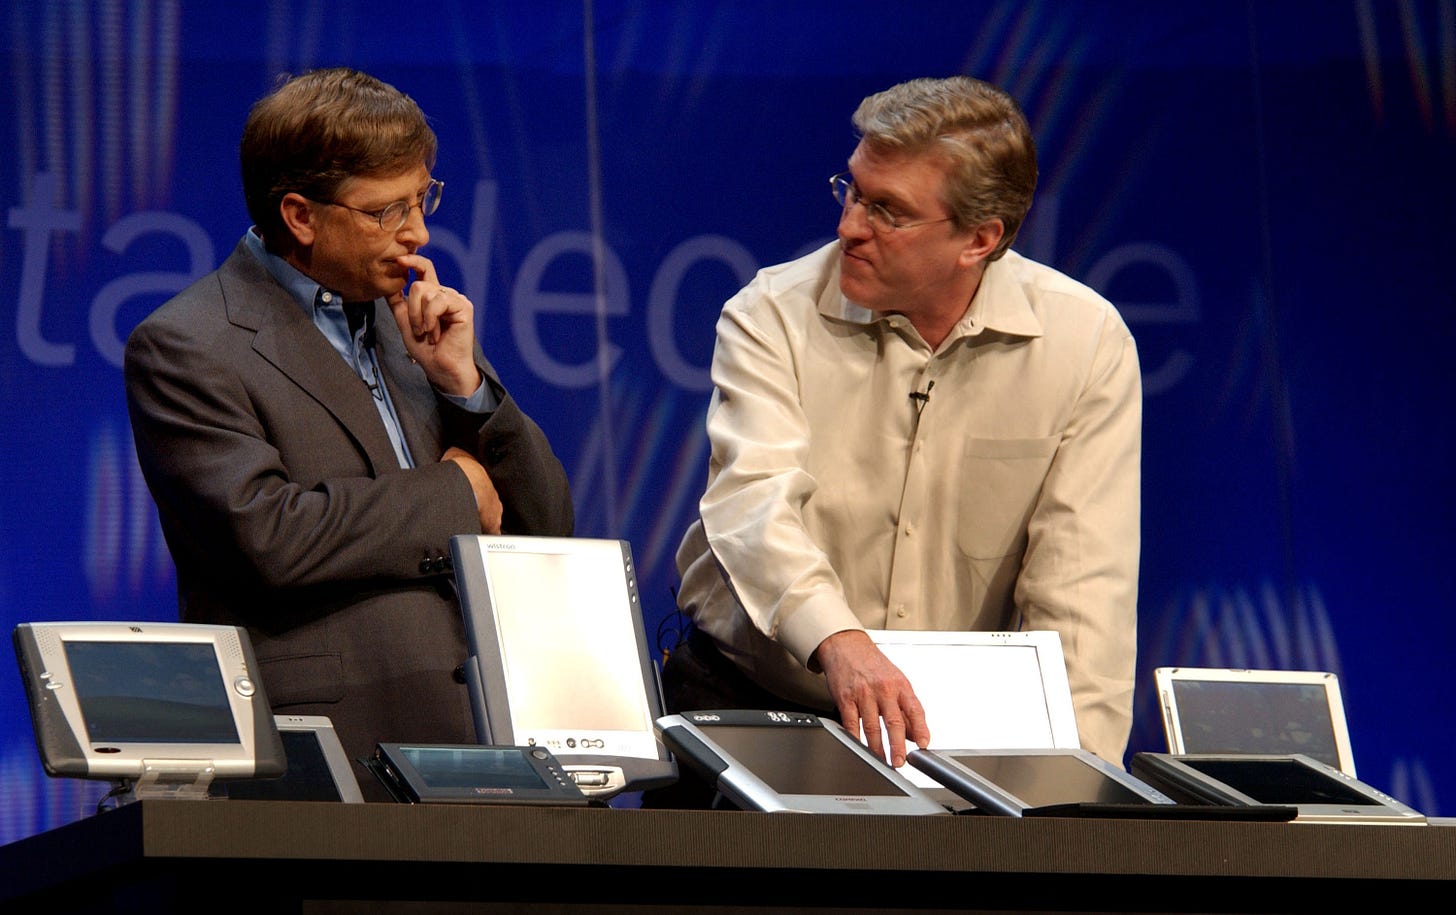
(286, 511)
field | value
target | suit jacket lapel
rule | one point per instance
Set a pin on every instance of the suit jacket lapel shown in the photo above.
(289, 341)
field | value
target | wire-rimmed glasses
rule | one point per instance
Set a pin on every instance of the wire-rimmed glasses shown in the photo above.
(396, 214)
(846, 193)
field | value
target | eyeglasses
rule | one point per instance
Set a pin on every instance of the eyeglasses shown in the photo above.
(847, 194)
(397, 214)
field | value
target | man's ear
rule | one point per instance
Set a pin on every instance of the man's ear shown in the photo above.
(298, 215)
(981, 241)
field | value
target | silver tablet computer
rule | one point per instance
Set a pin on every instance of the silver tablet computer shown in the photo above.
(559, 656)
(990, 690)
(161, 703)
(318, 767)
(1020, 782)
(1228, 710)
(789, 761)
(1319, 792)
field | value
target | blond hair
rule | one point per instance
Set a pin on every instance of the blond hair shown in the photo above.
(980, 131)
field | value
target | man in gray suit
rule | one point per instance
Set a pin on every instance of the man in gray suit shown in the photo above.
(309, 462)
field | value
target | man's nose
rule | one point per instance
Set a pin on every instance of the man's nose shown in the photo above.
(854, 222)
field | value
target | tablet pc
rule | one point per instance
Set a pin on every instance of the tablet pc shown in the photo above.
(1018, 782)
(475, 774)
(992, 690)
(1320, 793)
(1232, 710)
(789, 762)
(318, 767)
(165, 704)
(559, 657)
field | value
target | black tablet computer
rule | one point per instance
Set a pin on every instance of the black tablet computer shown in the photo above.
(1064, 782)
(474, 774)
(1022, 782)
(1319, 792)
(789, 761)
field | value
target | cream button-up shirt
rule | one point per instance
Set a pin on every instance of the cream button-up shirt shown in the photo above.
(1006, 499)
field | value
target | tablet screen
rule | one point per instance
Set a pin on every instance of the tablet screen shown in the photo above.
(308, 777)
(469, 767)
(801, 761)
(151, 692)
(1278, 781)
(569, 652)
(1044, 781)
(1256, 717)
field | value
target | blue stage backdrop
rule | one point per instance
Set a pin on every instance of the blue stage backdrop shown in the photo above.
(1266, 191)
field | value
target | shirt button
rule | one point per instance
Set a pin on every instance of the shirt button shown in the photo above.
(327, 297)
(909, 529)
(900, 611)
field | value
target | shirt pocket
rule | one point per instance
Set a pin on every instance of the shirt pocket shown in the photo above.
(1001, 479)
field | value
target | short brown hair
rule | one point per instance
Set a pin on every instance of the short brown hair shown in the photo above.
(314, 131)
(978, 128)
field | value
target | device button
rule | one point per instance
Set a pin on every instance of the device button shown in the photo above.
(244, 686)
(539, 753)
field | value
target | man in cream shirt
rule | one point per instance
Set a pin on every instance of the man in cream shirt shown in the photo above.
(916, 428)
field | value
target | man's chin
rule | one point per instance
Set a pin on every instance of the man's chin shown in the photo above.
(853, 289)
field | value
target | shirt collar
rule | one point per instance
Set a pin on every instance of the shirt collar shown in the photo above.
(305, 292)
(1000, 304)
